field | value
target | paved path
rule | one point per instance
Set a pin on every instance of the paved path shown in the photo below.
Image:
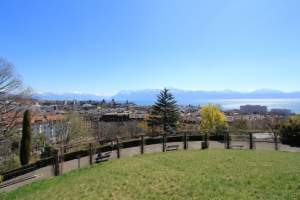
(46, 172)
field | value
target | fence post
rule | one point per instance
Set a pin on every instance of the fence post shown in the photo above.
(206, 140)
(56, 164)
(164, 145)
(185, 141)
(276, 140)
(228, 140)
(90, 146)
(118, 147)
(142, 144)
(251, 141)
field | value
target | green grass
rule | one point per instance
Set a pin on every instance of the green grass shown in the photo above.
(186, 174)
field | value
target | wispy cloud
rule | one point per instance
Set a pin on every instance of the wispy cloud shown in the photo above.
(200, 51)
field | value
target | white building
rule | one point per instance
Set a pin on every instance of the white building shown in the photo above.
(253, 109)
(45, 108)
(279, 111)
(45, 127)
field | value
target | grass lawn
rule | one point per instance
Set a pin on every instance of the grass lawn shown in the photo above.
(186, 174)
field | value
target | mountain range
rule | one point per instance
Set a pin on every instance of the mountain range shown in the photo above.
(179, 94)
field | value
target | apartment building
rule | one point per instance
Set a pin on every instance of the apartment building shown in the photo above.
(279, 111)
(253, 109)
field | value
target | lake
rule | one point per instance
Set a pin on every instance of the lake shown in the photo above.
(228, 104)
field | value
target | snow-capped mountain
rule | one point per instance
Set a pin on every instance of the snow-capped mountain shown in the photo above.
(71, 96)
(179, 94)
(267, 91)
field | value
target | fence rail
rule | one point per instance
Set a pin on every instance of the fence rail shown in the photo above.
(17, 176)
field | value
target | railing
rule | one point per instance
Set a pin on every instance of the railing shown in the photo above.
(17, 176)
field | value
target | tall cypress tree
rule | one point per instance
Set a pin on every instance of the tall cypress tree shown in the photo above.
(25, 148)
(165, 112)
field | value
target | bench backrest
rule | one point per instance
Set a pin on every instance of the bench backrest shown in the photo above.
(104, 156)
(173, 146)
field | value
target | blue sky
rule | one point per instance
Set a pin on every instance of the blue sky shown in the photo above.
(107, 46)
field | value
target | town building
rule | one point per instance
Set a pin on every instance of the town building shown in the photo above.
(278, 111)
(253, 109)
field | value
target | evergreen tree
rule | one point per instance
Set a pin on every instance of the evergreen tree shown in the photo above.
(25, 148)
(164, 112)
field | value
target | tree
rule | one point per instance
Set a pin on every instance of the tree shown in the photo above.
(26, 147)
(10, 146)
(271, 124)
(70, 128)
(133, 128)
(240, 125)
(150, 125)
(290, 125)
(164, 112)
(40, 140)
(101, 130)
(290, 130)
(212, 118)
(13, 97)
(47, 103)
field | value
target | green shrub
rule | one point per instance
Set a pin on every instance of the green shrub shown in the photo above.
(9, 165)
(47, 152)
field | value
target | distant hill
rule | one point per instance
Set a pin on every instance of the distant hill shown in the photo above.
(150, 95)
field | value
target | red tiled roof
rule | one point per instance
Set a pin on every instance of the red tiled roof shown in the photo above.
(34, 119)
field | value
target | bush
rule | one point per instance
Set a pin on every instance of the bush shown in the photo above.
(47, 152)
(9, 165)
(43, 162)
(73, 155)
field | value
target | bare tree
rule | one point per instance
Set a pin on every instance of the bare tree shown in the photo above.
(14, 97)
(133, 128)
(239, 125)
(70, 129)
(101, 130)
(270, 123)
(111, 130)
(119, 130)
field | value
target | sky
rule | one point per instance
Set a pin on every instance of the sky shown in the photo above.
(108, 46)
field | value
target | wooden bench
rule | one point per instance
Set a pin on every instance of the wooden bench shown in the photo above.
(172, 147)
(236, 146)
(102, 158)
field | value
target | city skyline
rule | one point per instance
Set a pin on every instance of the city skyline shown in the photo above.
(107, 47)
